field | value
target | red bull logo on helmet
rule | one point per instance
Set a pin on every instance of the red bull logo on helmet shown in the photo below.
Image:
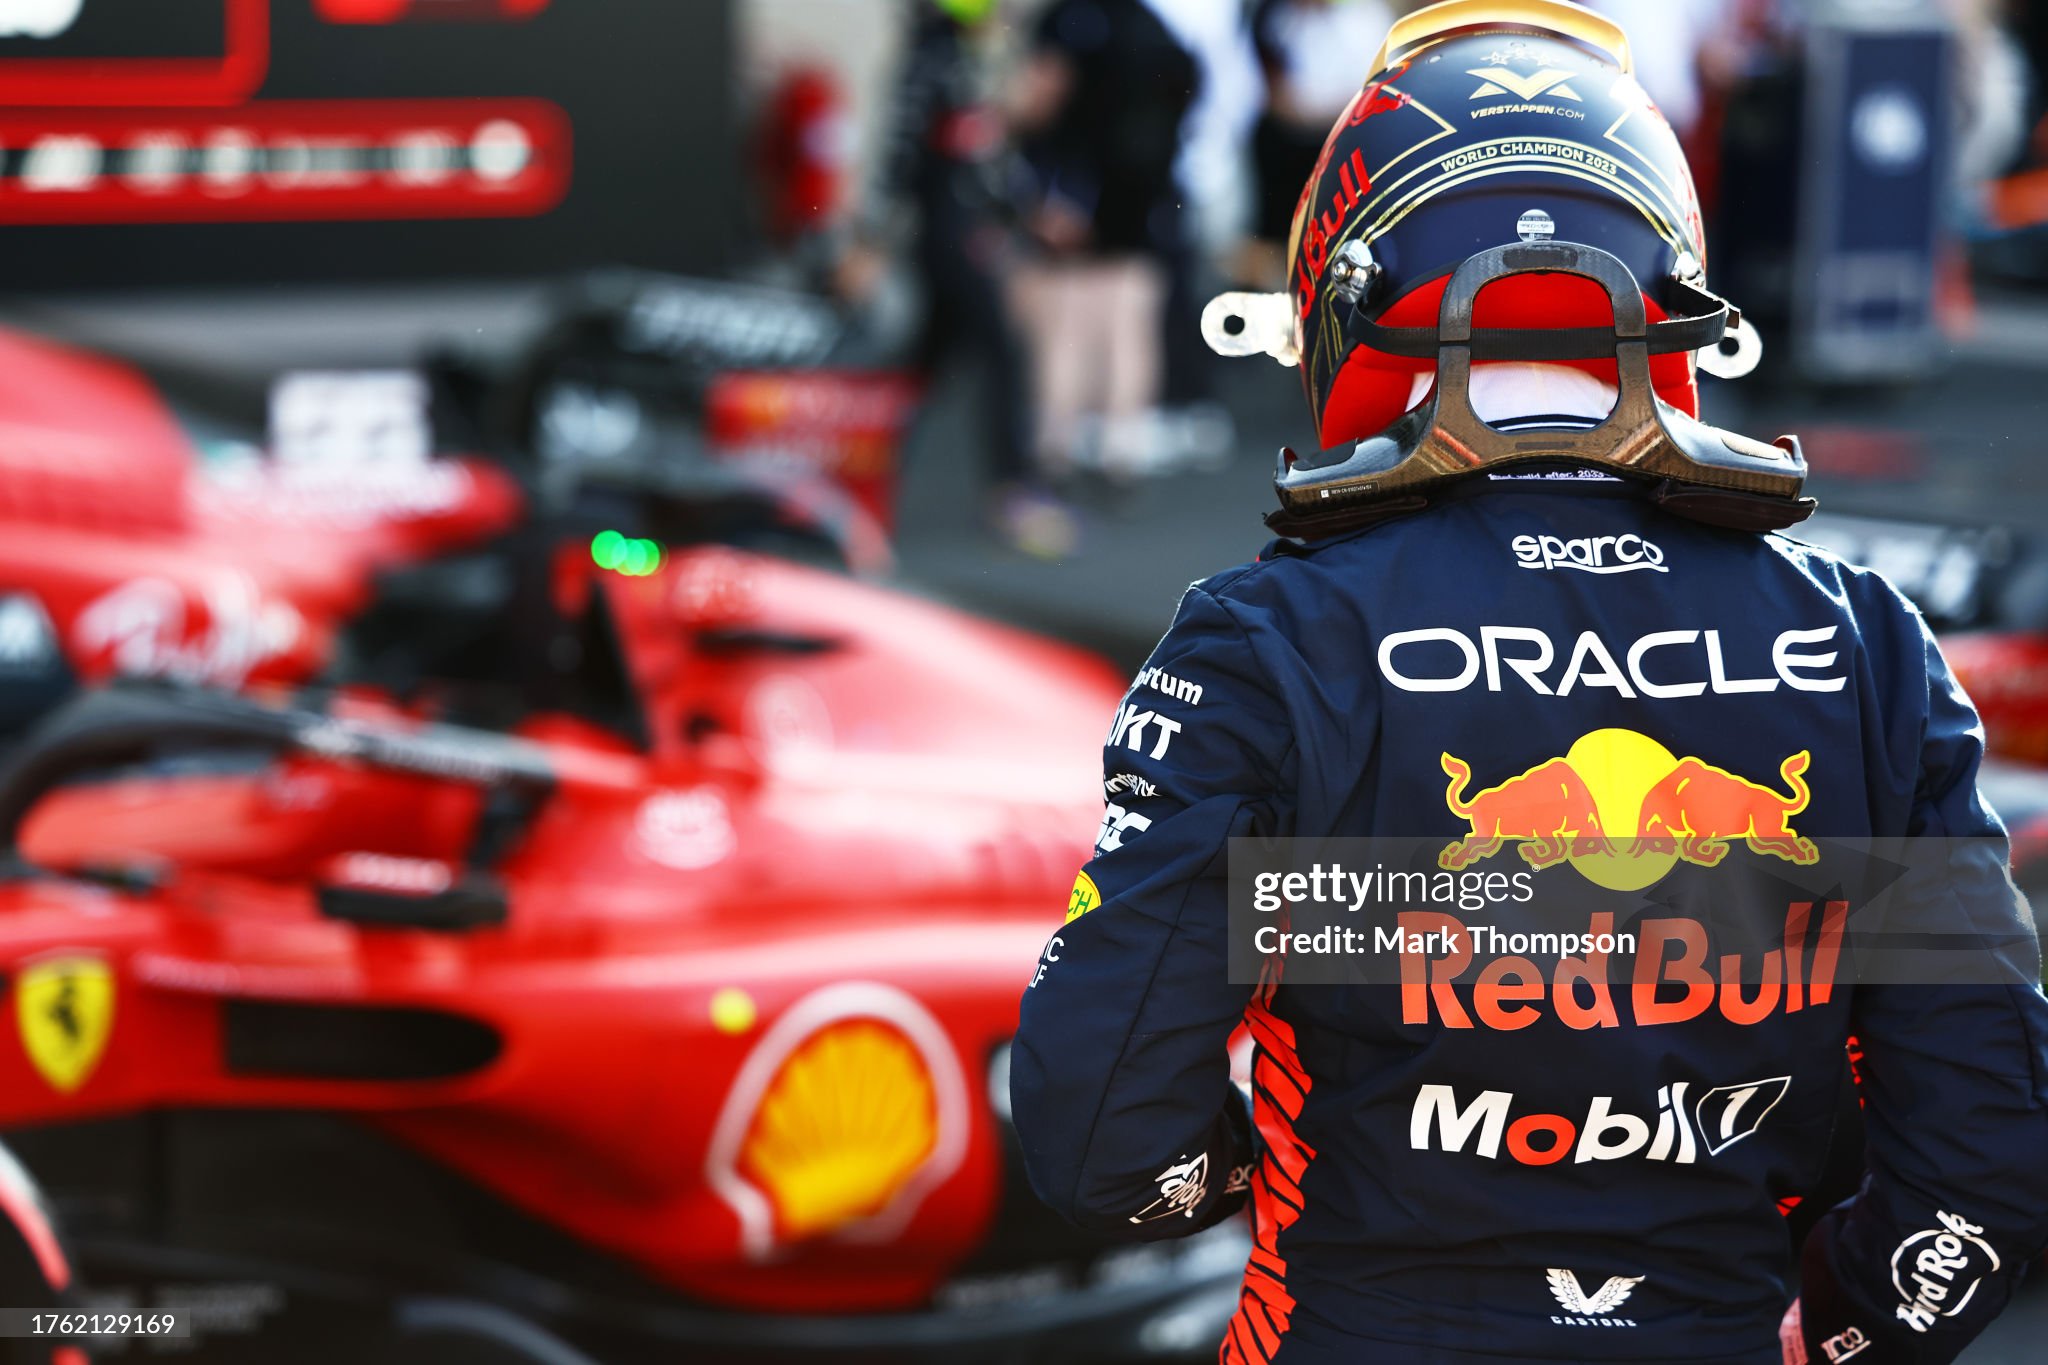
(1624, 810)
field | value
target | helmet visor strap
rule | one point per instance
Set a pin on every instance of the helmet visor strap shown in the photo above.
(1689, 332)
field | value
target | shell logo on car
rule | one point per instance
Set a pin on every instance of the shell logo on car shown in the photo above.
(849, 1111)
(849, 1118)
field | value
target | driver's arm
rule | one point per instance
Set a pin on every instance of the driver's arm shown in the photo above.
(1955, 1079)
(1120, 1080)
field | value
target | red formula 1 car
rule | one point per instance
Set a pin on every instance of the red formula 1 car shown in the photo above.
(128, 550)
(124, 552)
(609, 964)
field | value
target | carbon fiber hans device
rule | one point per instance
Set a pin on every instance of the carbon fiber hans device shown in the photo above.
(1697, 471)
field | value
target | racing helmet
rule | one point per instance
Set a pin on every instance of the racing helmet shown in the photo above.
(1502, 157)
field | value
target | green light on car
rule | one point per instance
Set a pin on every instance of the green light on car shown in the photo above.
(608, 549)
(626, 555)
(643, 557)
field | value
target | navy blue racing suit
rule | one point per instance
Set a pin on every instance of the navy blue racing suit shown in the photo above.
(1503, 1170)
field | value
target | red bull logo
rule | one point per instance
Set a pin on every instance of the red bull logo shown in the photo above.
(1549, 809)
(1624, 810)
(1698, 809)
(1672, 975)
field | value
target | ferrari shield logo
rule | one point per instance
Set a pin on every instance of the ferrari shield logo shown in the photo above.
(65, 1010)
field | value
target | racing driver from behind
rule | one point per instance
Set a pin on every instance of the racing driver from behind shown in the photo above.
(1521, 583)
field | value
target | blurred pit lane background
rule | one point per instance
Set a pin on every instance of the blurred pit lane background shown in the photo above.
(888, 264)
(1872, 173)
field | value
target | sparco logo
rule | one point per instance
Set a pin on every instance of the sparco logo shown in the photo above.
(1590, 554)
(1721, 1118)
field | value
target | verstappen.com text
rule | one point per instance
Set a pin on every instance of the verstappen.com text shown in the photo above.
(1333, 885)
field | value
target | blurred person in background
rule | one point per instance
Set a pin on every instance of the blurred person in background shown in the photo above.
(1312, 52)
(803, 150)
(943, 185)
(2017, 202)
(1100, 102)
(2002, 102)
(1995, 89)
(1669, 41)
(1728, 38)
(1782, 94)
(1213, 169)
(1687, 55)
(1436, 1179)
(1212, 175)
